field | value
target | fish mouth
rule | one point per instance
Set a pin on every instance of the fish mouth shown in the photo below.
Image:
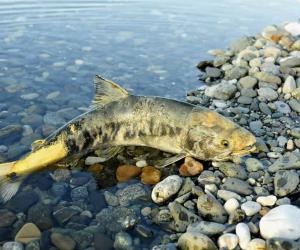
(245, 151)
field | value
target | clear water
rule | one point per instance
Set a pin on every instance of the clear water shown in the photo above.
(51, 49)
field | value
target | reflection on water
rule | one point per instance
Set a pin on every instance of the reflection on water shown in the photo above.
(50, 51)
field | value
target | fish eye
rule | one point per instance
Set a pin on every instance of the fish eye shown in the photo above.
(225, 143)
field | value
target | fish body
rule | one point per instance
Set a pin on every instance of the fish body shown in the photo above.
(118, 119)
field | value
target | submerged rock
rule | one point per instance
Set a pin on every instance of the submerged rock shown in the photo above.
(194, 240)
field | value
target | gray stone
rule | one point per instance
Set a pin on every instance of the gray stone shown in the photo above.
(241, 44)
(131, 193)
(79, 193)
(291, 61)
(223, 91)
(248, 82)
(211, 209)
(235, 73)
(64, 214)
(282, 244)
(213, 72)
(111, 199)
(40, 215)
(123, 241)
(267, 77)
(282, 107)
(295, 105)
(290, 160)
(231, 170)
(83, 238)
(264, 108)
(253, 165)
(244, 100)
(182, 216)
(289, 85)
(12, 245)
(195, 240)
(7, 218)
(206, 227)
(285, 182)
(249, 92)
(62, 241)
(267, 93)
(237, 186)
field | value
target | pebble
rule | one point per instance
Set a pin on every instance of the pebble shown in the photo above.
(195, 240)
(163, 190)
(285, 182)
(141, 163)
(91, 160)
(7, 218)
(248, 82)
(237, 185)
(210, 208)
(207, 227)
(268, 201)
(250, 208)
(243, 233)
(282, 244)
(123, 241)
(12, 245)
(253, 165)
(291, 61)
(267, 93)
(226, 195)
(30, 96)
(295, 105)
(228, 241)
(282, 107)
(127, 172)
(29, 232)
(150, 175)
(257, 244)
(222, 91)
(231, 205)
(282, 221)
(190, 167)
(289, 85)
(63, 242)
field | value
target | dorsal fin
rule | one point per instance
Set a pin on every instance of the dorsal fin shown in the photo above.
(107, 91)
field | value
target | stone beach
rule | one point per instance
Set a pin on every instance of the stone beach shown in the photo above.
(252, 205)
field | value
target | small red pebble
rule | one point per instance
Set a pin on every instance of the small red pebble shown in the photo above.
(190, 167)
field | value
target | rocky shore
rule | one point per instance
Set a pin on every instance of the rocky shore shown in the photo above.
(252, 205)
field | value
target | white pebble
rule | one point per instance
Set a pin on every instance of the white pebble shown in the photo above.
(256, 244)
(12, 245)
(141, 163)
(166, 188)
(211, 188)
(268, 201)
(228, 241)
(226, 195)
(282, 221)
(231, 205)
(251, 207)
(90, 160)
(243, 233)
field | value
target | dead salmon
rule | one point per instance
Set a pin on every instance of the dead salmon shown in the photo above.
(118, 119)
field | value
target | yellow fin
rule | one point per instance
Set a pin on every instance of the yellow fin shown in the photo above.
(36, 144)
(8, 186)
(107, 91)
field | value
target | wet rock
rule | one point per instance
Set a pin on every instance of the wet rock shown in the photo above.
(29, 232)
(61, 175)
(295, 105)
(267, 77)
(127, 172)
(226, 195)
(102, 242)
(231, 170)
(166, 188)
(79, 193)
(253, 165)
(59, 189)
(267, 93)
(231, 205)
(206, 227)
(40, 215)
(83, 238)
(7, 218)
(22, 201)
(97, 201)
(91, 160)
(62, 241)
(250, 208)
(247, 82)
(285, 182)
(210, 208)
(243, 233)
(11, 132)
(282, 244)
(12, 245)
(33, 245)
(123, 241)
(228, 241)
(29, 96)
(241, 44)
(213, 72)
(131, 193)
(282, 107)
(290, 160)
(182, 216)
(194, 240)
(235, 73)
(291, 61)
(150, 175)
(289, 85)
(64, 214)
(190, 167)
(237, 186)
(111, 199)
(222, 91)
(281, 221)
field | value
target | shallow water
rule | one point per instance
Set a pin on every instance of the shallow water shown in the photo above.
(50, 50)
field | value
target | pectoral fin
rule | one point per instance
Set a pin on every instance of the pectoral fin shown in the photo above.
(168, 161)
(108, 152)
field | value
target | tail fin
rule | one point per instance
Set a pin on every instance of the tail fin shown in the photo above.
(9, 184)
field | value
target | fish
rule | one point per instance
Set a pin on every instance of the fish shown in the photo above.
(117, 119)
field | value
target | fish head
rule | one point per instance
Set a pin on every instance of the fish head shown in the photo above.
(212, 136)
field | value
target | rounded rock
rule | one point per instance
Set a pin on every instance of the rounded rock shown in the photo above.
(123, 241)
(150, 175)
(231, 205)
(282, 221)
(190, 167)
(250, 208)
(267, 201)
(194, 240)
(63, 242)
(228, 241)
(127, 172)
(243, 232)
(12, 245)
(166, 188)
(256, 244)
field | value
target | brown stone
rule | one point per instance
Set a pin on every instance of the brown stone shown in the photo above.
(29, 232)
(63, 242)
(96, 168)
(264, 210)
(150, 175)
(127, 172)
(190, 167)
